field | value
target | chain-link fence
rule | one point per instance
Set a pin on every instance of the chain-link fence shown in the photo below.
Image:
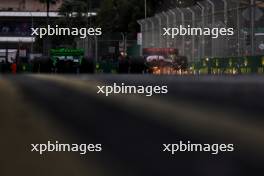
(246, 17)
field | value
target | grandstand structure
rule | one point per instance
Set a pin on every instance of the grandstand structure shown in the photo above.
(17, 17)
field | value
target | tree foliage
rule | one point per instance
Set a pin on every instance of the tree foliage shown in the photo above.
(74, 13)
(122, 15)
(117, 15)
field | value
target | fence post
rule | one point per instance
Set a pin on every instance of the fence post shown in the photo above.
(213, 23)
(159, 29)
(152, 33)
(193, 37)
(225, 11)
(174, 23)
(253, 14)
(183, 25)
(238, 30)
(141, 30)
(148, 33)
(167, 25)
(203, 26)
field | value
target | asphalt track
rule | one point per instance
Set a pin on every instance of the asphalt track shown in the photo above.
(132, 129)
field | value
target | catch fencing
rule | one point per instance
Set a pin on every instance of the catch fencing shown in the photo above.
(246, 17)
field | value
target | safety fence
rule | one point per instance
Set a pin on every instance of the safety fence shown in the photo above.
(246, 17)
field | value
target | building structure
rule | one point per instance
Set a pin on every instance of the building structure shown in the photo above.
(17, 17)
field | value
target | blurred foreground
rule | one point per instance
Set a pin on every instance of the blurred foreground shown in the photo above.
(132, 129)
